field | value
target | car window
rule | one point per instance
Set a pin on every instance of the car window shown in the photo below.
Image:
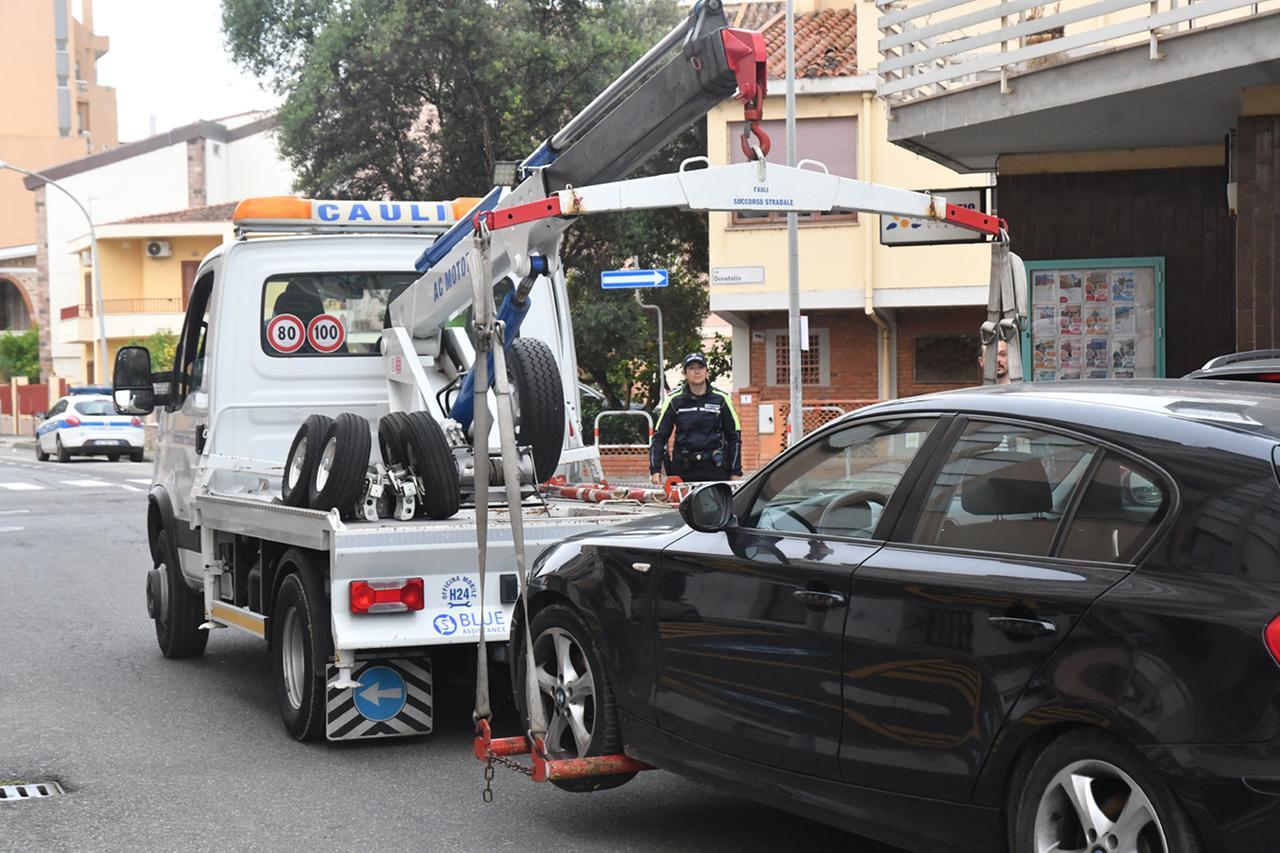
(1120, 511)
(1003, 488)
(95, 407)
(58, 408)
(839, 486)
(328, 313)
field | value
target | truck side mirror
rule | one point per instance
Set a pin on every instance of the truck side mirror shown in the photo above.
(132, 389)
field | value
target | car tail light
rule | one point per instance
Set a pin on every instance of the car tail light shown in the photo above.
(1268, 377)
(1272, 636)
(73, 421)
(135, 421)
(387, 596)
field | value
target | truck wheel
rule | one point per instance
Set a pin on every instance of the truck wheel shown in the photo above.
(300, 650)
(177, 609)
(341, 466)
(300, 464)
(390, 439)
(578, 703)
(539, 402)
(427, 453)
(63, 454)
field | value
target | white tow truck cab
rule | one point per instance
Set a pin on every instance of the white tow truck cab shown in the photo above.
(291, 325)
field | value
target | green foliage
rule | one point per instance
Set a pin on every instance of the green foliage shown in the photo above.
(20, 355)
(419, 99)
(162, 344)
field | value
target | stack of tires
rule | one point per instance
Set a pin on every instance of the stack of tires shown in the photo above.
(329, 459)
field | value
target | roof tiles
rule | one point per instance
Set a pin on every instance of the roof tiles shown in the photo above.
(826, 44)
(211, 213)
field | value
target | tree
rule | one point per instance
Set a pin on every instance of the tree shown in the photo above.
(20, 355)
(419, 99)
(162, 344)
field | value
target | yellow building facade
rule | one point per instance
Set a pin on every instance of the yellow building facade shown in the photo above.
(52, 108)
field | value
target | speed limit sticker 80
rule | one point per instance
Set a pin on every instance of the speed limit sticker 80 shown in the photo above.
(286, 333)
(326, 334)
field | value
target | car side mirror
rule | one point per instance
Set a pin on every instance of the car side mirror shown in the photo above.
(40, 416)
(709, 509)
(132, 390)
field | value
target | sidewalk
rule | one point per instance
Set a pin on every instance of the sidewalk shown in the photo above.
(17, 442)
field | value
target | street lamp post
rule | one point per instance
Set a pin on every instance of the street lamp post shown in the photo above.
(662, 361)
(93, 254)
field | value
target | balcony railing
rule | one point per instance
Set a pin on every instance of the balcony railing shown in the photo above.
(937, 46)
(126, 306)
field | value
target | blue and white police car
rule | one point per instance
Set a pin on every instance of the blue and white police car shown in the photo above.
(87, 425)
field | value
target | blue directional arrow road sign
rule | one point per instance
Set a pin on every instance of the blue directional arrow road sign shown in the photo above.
(381, 693)
(619, 279)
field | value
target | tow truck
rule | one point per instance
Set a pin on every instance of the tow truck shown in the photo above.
(271, 510)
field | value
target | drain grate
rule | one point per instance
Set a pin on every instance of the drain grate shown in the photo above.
(29, 791)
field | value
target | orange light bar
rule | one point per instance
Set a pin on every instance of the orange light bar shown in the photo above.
(464, 205)
(272, 207)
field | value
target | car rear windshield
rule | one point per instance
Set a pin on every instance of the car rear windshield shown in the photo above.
(327, 314)
(95, 407)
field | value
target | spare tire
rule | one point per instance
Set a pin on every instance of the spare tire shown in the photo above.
(390, 440)
(300, 464)
(538, 399)
(341, 466)
(426, 452)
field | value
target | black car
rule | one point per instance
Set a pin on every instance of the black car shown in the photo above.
(1259, 365)
(1027, 617)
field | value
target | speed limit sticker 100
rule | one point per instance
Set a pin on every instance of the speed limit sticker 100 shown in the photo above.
(326, 334)
(286, 333)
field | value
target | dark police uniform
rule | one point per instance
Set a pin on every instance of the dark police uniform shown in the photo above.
(708, 436)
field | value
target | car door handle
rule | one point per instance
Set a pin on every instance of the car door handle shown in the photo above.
(1022, 627)
(814, 598)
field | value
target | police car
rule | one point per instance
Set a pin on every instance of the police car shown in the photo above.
(87, 425)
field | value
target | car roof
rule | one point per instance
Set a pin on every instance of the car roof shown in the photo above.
(86, 398)
(1154, 407)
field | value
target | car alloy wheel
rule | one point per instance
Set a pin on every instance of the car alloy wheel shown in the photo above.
(1095, 807)
(567, 688)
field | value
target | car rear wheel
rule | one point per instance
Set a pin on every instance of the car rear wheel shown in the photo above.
(577, 700)
(136, 456)
(63, 454)
(113, 457)
(177, 609)
(1089, 791)
(300, 646)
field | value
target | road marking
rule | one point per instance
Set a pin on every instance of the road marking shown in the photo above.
(129, 488)
(85, 484)
(11, 529)
(14, 511)
(20, 487)
(146, 481)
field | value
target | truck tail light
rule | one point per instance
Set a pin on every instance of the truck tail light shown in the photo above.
(1272, 637)
(387, 596)
(73, 421)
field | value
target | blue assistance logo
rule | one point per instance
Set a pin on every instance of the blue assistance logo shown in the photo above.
(459, 591)
(445, 624)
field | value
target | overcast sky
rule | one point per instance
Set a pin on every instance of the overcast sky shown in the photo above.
(167, 60)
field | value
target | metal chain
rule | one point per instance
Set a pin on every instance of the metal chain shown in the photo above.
(511, 765)
(489, 760)
(487, 794)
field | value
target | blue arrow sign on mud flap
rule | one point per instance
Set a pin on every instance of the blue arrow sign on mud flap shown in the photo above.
(619, 279)
(381, 693)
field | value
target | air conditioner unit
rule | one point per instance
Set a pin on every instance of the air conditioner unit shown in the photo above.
(159, 249)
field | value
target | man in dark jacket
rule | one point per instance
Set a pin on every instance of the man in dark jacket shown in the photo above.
(708, 434)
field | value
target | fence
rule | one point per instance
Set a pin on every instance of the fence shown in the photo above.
(628, 461)
(163, 305)
(29, 399)
(817, 413)
(930, 48)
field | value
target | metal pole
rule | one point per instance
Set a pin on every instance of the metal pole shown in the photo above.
(793, 242)
(662, 360)
(93, 255)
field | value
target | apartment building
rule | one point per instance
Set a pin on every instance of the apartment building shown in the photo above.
(1137, 159)
(51, 110)
(884, 319)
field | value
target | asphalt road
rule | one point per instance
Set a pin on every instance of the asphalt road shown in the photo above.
(191, 755)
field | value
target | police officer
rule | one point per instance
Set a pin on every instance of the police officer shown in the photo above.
(708, 433)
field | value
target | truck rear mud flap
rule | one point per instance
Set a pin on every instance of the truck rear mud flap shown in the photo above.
(393, 700)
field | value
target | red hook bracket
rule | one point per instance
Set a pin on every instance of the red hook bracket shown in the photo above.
(745, 53)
